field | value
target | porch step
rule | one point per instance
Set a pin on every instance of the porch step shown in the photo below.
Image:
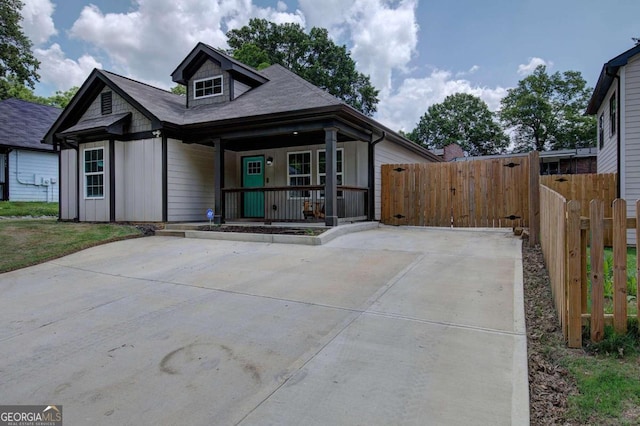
(170, 233)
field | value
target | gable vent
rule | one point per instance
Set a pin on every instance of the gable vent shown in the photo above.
(106, 104)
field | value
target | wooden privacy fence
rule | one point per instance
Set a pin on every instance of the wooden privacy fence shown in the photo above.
(479, 193)
(584, 188)
(565, 235)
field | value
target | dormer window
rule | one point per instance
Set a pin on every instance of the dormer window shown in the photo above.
(207, 87)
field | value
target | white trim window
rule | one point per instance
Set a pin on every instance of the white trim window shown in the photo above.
(322, 175)
(207, 87)
(299, 172)
(93, 173)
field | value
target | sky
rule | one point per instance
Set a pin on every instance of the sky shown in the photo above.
(416, 52)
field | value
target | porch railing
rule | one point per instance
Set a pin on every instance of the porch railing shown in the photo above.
(293, 203)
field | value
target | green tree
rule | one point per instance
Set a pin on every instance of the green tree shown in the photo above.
(463, 119)
(546, 111)
(179, 89)
(313, 56)
(17, 62)
(62, 98)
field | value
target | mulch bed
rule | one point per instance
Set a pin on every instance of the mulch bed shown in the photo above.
(263, 230)
(549, 383)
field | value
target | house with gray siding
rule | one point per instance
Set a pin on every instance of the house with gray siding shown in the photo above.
(249, 145)
(616, 104)
(28, 168)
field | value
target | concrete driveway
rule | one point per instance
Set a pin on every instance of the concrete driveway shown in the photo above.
(389, 326)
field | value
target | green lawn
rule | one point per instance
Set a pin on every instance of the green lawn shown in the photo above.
(30, 208)
(28, 242)
(609, 390)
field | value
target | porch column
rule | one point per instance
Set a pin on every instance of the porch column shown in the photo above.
(218, 177)
(330, 190)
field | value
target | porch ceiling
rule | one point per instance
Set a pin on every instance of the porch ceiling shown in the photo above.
(280, 141)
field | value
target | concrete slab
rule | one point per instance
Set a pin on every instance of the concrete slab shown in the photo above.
(387, 326)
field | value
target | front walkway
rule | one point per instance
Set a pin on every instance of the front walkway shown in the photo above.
(387, 326)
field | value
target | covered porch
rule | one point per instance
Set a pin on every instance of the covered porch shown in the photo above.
(315, 171)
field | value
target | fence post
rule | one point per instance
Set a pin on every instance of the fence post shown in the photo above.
(620, 266)
(534, 198)
(596, 223)
(574, 273)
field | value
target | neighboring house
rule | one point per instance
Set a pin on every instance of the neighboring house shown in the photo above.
(262, 145)
(565, 161)
(28, 168)
(616, 104)
(450, 152)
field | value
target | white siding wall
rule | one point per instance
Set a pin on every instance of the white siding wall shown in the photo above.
(239, 88)
(389, 153)
(630, 123)
(31, 176)
(607, 156)
(68, 184)
(138, 167)
(190, 184)
(94, 209)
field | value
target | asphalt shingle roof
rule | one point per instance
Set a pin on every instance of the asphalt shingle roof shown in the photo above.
(24, 124)
(284, 92)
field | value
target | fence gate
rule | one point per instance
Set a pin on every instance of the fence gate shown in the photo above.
(478, 193)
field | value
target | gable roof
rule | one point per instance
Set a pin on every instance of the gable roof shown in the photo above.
(607, 75)
(280, 94)
(23, 124)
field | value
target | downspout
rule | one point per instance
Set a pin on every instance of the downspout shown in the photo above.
(618, 138)
(372, 175)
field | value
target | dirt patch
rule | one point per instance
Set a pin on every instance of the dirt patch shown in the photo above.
(549, 383)
(264, 230)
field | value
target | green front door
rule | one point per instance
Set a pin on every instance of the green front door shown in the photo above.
(252, 177)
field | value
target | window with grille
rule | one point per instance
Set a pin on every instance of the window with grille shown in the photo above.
(207, 87)
(94, 173)
(322, 164)
(299, 172)
(613, 107)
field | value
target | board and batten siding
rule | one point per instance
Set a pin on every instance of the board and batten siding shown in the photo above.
(389, 153)
(139, 123)
(33, 176)
(630, 134)
(138, 179)
(68, 184)
(95, 209)
(190, 183)
(608, 154)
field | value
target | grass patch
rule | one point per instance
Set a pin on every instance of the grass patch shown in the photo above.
(28, 242)
(609, 390)
(28, 208)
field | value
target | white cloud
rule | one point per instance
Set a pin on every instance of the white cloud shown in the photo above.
(383, 34)
(402, 109)
(37, 21)
(61, 72)
(526, 69)
(149, 41)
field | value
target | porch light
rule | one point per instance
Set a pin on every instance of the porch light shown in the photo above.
(269, 161)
